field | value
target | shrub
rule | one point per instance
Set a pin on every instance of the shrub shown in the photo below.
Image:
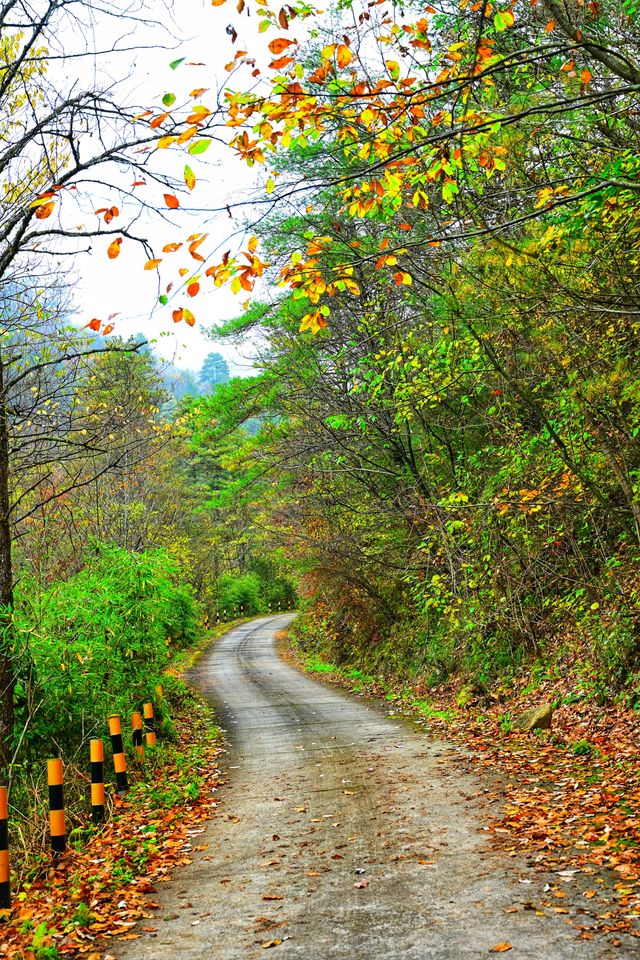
(96, 644)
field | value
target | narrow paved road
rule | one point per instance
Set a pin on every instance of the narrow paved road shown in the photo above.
(344, 834)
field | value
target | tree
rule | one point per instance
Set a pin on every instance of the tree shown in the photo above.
(449, 128)
(82, 170)
(67, 417)
(214, 371)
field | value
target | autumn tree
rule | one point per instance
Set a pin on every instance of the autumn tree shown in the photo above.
(82, 170)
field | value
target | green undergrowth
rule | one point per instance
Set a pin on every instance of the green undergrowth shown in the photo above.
(171, 776)
(402, 695)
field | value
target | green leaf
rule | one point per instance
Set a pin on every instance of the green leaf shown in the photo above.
(189, 177)
(164, 299)
(199, 147)
(169, 99)
(176, 63)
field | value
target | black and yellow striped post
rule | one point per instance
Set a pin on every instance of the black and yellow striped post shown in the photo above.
(96, 748)
(5, 887)
(136, 735)
(119, 762)
(149, 723)
(56, 806)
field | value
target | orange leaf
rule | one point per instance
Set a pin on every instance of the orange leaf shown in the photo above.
(45, 210)
(279, 44)
(188, 317)
(585, 76)
(187, 134)
(343, 55)
(108, 329)
(217, 3)
(193, 289)
(113, 250)
(158, 120)
(139, 183)
(501, 947)
(152, 264)
(94, 324)
(198, 92)
(193, 247)
(171, 247)
(183, 271)
(549, 27)
(172, 202)
(280, 63)
(177, 315)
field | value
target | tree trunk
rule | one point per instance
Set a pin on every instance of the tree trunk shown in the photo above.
(7, 676)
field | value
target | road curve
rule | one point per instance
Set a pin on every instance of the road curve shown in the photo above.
(343, 834)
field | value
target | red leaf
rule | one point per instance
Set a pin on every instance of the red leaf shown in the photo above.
(193, 289)
(172, 202)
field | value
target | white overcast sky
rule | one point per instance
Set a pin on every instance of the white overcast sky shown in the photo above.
(122, 286)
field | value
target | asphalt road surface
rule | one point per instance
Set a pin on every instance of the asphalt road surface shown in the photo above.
(343, 834)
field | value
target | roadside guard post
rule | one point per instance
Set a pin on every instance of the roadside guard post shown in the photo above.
(119, 762)
(56, 806)
(147, 709)
(136, 735)
(5, 888)
(97, 781)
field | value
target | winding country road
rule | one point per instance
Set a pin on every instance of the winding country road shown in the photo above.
(344, 834)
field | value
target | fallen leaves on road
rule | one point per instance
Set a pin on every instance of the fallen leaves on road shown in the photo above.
(570, 797)
(501, 947)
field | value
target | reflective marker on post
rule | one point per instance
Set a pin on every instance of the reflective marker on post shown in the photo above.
(97, 780)
(56, 806)
(119, 762)
(5, 888)
(149, 724)
(136, 735)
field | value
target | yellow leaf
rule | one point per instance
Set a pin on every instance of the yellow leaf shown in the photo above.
(152, 264)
